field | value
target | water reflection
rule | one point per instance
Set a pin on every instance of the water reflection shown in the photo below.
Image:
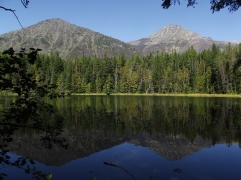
(150, 137)
(212, 118)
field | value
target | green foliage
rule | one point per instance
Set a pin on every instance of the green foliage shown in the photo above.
(28, 109)
(210, 71)
(19, 75)
(109, 85)
(215, 5)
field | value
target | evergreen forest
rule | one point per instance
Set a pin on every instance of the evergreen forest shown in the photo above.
(213, 71)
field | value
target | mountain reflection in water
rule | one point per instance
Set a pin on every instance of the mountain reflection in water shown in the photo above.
(139, 138)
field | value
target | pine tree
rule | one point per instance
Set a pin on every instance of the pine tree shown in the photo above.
(109, 85)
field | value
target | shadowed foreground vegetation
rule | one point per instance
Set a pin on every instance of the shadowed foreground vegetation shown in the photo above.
(28, 110)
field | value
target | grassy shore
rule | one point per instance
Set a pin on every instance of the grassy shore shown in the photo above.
(157, 94)
(144, 94)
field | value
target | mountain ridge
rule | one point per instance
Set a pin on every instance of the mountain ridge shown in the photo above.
(69, 40)
(87, 144)
(175, 37)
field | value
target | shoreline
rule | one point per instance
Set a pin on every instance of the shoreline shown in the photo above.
(157, 94)
(154, 94)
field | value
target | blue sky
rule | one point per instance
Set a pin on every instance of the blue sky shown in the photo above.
(125, 20)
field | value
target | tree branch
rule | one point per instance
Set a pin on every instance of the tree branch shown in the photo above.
(25, 3)
(13, 11)
(216, 5)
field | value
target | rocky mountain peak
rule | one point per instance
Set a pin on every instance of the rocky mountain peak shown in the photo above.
(53, 20)
(68, 40)
(174, 37)
(173, 32)
(236, 41)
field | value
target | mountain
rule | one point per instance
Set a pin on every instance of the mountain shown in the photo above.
(86, 144)
(175, 37)
(81, 145)
(68, 40)
(171, 148)
(236, 41)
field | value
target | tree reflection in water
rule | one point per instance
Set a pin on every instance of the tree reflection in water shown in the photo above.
(173, 127)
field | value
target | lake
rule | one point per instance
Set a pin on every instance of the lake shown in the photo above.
(136, 137)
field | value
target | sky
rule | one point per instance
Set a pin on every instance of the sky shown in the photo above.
(126, 20)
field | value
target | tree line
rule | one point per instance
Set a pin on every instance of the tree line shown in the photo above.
(210, 71)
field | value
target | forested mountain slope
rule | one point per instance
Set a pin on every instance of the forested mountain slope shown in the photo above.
(68, 40)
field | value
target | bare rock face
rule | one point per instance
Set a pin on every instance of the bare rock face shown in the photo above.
(173, 33)
(174, 37)
(236, 41)
(68, 40)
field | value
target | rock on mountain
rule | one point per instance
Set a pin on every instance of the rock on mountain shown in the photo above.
(68, 40)
(175, 37)
(236, 41)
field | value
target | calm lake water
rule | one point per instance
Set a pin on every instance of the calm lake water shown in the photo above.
(137, 137)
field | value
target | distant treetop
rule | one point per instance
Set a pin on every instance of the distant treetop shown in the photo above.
(216, 5)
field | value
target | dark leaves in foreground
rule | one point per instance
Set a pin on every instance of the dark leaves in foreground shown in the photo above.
(29, 111)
